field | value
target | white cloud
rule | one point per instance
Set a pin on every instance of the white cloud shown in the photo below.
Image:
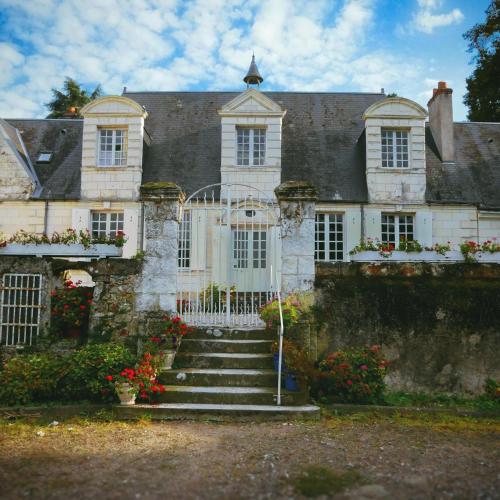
(308, 45)
(426, 19)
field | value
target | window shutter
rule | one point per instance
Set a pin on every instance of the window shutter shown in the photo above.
(131, 230)
(423, 227)
(221, 258)
(373, 223)
(352, 229)
(198, 239)
(80, 219)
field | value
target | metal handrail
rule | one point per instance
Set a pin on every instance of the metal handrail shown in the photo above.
(281, 331)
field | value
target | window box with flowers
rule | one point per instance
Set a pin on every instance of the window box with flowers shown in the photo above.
(70, 243)
(407, 251)
(486, 252)
(165, 342)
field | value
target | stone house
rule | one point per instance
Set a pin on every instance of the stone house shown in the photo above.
(232, 195)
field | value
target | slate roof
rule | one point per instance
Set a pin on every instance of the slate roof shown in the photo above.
(60, 178)
(322, 141)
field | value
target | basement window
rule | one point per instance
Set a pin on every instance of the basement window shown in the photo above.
(44, 157)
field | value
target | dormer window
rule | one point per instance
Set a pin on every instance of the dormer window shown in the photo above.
(112, 147)
(251, 146)
(395, 148)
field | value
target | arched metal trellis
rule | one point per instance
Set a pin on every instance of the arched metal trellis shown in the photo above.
(229, 255)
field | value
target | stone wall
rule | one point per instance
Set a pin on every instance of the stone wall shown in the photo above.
(114, 315)
(437, 324)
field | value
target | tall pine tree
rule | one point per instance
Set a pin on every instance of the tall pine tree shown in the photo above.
(483, 86)
(72, 96)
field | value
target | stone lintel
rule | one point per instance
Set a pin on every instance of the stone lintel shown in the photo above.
(161, 191)
(296, 191)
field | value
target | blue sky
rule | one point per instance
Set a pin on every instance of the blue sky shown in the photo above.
(404, 46)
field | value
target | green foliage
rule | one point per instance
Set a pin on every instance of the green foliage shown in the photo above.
(86, 379)
(32, 378)
(72, 95)
(317, 480)
(295, 360)
(40, 378)
(483, 91)
(492, 390)
(292, 311)
(353, 376)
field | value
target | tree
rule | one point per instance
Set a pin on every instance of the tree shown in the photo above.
(72, 96)
(483, 86)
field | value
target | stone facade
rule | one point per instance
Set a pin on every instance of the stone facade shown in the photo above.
(297, 206)
(157, 287)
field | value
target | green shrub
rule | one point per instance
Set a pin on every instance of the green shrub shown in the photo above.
(492, 390)
(81, 375)
(89, 366)
(32, 378)
(353, 376)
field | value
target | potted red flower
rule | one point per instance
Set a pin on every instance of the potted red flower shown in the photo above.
(126, 385)
(165, 342)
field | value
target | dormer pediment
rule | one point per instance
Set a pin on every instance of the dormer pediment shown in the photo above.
(252, 102)
(113, 106)
(395, 107)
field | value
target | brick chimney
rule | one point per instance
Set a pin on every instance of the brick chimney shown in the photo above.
(441, 121)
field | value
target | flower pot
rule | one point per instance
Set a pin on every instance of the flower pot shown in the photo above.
(276, 358)
(126, 393)
(168, 359)
(291, 382)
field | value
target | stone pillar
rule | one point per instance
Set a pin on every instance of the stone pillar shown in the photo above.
(297, 201)
(157, 285)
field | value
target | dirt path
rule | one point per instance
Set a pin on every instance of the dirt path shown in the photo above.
(349, 457)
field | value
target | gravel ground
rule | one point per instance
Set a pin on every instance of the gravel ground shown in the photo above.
(358, 456)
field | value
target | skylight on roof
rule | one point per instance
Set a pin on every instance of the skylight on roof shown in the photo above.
(44, 157)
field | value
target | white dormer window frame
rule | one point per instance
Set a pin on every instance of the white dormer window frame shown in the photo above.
(112, 147)
(250, 146)
(395, 148)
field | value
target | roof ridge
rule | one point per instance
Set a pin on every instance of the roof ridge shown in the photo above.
(240, 92)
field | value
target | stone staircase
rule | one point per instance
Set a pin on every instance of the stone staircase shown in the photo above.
(221, 372)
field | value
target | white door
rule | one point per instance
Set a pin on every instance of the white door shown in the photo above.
(250, 257)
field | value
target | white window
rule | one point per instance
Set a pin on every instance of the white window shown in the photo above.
(329, 237)
(396, 228)
(242, 242)
(112, 147)
(20, 305)
(44, 157)
(394, 148)
(184, 254)
(251, 146)
(106, 224)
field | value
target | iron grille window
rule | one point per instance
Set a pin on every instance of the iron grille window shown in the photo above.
(396, 228)
(251, 146)
(329, 237)
(394, 148)
(112, 147)
(106, 224)
(20, 304)
(184, 255)
(240, 249)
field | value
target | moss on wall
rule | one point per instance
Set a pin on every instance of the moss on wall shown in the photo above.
(438, 324)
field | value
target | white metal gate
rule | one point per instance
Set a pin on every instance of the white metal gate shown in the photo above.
(229, 255)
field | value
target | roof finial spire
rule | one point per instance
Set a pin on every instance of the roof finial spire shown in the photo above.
(253, 76)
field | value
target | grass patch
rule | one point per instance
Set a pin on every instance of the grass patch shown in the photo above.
(422, 399)
(317, 480)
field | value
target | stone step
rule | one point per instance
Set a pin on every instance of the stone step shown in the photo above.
(229, 395)
(231, 333)
(226, 345)
(219, 377)
(220, 412)
(223, 360)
